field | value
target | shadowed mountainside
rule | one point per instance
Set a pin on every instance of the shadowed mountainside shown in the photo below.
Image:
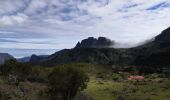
(156, 52)
(4, 57)
(89, 55)
(98, 51)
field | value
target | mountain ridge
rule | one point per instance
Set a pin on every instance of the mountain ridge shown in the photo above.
(98, 51)
(4, 57)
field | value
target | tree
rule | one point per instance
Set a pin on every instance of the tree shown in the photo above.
(6, 68)
(65, 82)
(18, 70)
(22, 71)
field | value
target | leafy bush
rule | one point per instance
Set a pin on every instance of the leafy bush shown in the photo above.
(124, 75)
(1, 81)
(101, 75)
(15, 69)
(166, 71)
(116, 77)
(39, 74)
(147, 70)
(65, 82)
(3, 95)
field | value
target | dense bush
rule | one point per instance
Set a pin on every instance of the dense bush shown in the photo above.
(16, 70)
(65, 82)
(166, 71)
(4, 96)
(101, 75)
(116, 77)
(39, 74)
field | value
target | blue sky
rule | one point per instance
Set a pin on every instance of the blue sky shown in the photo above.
(59, 24)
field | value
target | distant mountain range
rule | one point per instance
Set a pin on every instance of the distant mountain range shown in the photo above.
(4, 57)
(24, 59)
(99, 51)
(34, 58)
(92, 50)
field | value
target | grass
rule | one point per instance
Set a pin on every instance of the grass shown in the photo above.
(1, 81)
(100, 87)
(110, 90)
(12, 92)
(100, 91)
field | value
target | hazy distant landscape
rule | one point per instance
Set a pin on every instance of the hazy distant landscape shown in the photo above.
(84, 50)
(20, 53)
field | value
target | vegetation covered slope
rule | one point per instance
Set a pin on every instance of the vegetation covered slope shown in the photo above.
(153, 53)
(4, 57)
(156, 52)
(90, 55)
(103, 85)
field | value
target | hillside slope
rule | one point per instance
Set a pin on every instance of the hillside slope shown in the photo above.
(4, 57)
(153, 53)
(90, 55)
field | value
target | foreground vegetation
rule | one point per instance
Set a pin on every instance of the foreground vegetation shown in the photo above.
(29, 82)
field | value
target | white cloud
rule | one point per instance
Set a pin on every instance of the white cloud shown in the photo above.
(12, 20)
(126, 21)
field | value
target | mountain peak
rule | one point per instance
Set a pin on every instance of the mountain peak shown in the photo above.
(4, 57)
(164, 36)
(91, 42)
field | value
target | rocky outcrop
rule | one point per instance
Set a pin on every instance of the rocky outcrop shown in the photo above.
(91, 42)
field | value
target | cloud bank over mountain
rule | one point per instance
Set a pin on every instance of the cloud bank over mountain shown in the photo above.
(61, 23)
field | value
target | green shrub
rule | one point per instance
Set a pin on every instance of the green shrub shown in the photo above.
(154, 76)
(20, 71)
(3, 95)
(124, 75)
(166, 72)
(101, 75)
(116, 77)
(1, 81)
(39, 74)
(65, 82)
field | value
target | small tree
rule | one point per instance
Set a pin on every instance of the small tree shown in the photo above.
(65, 82)
(22, 71)
(6, 68)
(39, 74)
(19, 70)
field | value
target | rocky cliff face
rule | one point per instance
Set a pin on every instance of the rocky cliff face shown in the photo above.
(91, 42)
(4, 57)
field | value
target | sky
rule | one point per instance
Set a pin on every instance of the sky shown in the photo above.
(59, 24)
